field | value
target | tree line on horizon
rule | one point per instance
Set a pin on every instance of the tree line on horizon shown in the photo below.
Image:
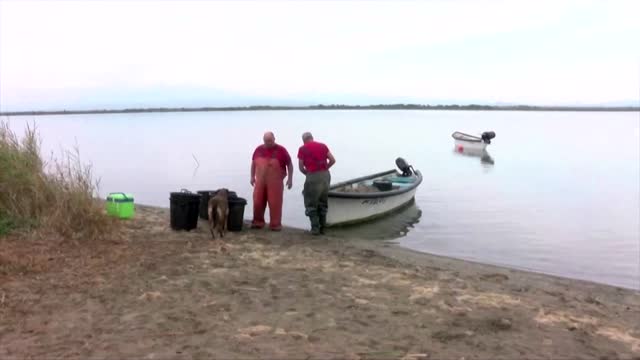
(329, 107)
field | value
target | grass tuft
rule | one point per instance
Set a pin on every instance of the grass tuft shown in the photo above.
(59, 196)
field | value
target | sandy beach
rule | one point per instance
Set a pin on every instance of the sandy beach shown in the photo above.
(155, 293)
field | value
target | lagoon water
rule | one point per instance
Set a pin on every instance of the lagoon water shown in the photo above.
(558, 193)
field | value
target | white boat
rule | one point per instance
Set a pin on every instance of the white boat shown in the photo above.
(464, 141)
(372, 196)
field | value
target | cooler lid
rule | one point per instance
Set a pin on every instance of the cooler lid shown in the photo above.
(120, 197)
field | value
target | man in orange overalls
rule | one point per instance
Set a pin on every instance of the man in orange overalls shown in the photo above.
(270, 164)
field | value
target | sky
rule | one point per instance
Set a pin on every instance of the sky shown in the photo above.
(71, 55)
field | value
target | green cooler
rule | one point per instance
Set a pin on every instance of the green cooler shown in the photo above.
(120, 205)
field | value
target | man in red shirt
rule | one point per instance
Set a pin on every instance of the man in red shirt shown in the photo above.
(269, 166)
(314, 161)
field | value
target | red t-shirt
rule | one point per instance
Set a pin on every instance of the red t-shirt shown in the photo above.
(314, 156)
(277, 151)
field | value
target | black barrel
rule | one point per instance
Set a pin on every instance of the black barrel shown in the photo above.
(236, 213)
(184, 210)
(204, 201)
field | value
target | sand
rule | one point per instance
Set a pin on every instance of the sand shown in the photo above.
(159, 294)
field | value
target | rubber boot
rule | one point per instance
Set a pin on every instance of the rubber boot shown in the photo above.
(315, 224)
(322, 222)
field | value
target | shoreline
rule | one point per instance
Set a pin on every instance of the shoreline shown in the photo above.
(264, 294)
(390, 248)
(416, 256)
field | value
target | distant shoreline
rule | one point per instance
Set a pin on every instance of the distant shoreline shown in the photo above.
(328, 107)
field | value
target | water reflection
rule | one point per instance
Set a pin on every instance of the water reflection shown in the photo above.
(391, 226)
(485, 157)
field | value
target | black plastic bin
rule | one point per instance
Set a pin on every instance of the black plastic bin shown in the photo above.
(236, 213)
(204, 201)
(184, 210)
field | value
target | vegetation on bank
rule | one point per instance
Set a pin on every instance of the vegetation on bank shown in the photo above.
(330, 107)
(56, 197)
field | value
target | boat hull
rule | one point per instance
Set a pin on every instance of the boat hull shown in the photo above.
(346, 211)
(470, 145)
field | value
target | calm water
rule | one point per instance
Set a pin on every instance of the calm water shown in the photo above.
(559, 195)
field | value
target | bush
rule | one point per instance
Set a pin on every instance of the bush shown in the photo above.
(58, 197)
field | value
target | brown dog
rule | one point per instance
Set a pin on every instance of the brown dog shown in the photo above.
(219, 212)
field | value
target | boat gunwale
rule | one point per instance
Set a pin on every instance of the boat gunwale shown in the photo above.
(466, 137)
(381, 194)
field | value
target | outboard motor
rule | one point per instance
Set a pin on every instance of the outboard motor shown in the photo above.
(407, 170)
(487, 136)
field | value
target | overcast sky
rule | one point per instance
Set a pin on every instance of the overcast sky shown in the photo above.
(84, 54)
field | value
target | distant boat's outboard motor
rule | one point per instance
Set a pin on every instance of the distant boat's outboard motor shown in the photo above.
(407, 170)
(487, 136)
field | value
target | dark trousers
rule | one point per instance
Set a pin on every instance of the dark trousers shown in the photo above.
(316, 198)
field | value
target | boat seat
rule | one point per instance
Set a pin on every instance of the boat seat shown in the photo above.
(403, 180)
(401, 185)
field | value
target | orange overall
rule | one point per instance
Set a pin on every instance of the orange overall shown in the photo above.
(268, 189)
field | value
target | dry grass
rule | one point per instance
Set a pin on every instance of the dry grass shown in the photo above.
(58, 197)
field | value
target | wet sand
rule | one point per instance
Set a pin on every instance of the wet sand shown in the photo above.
(157, 293)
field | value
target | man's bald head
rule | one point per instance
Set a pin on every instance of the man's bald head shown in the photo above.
(269, 139)
(306, 137)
